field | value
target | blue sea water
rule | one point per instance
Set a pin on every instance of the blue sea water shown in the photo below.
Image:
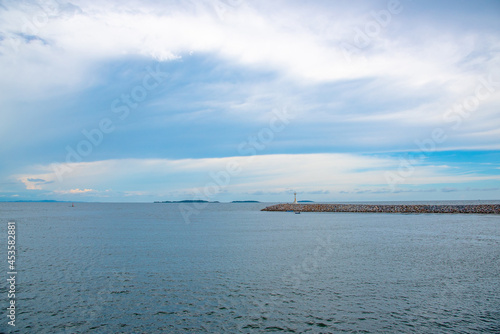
(142, 268)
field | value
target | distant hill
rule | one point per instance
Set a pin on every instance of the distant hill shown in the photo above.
(305, 201)
(188, 201)
(245, 202)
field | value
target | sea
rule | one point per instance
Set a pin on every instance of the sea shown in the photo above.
(231, 268)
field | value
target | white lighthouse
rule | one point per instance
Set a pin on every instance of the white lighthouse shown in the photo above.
(295, 199)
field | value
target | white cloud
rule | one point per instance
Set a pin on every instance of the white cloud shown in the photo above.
(74, 191)
(302, 49)
(73, 40)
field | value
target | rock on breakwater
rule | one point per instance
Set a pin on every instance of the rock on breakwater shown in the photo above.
(396, 208)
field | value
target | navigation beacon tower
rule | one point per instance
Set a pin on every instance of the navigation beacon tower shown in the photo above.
(295, 200)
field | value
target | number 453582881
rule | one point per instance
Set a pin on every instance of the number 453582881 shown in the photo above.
(11, 241)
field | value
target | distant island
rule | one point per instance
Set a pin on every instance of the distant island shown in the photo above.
(202, 201)
(188, 201)
(305, 201)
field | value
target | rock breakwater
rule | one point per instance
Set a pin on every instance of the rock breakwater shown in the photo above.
(399, 208)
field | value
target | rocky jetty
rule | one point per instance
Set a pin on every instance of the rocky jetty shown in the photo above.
(399, 208)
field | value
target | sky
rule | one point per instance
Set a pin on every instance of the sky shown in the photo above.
(221, 100)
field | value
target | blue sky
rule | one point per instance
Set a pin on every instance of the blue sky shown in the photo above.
(249, 100)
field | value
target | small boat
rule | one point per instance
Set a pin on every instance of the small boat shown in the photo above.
(297, 212)
(72, 205)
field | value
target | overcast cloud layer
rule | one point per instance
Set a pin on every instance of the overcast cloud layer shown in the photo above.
(234, 99)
